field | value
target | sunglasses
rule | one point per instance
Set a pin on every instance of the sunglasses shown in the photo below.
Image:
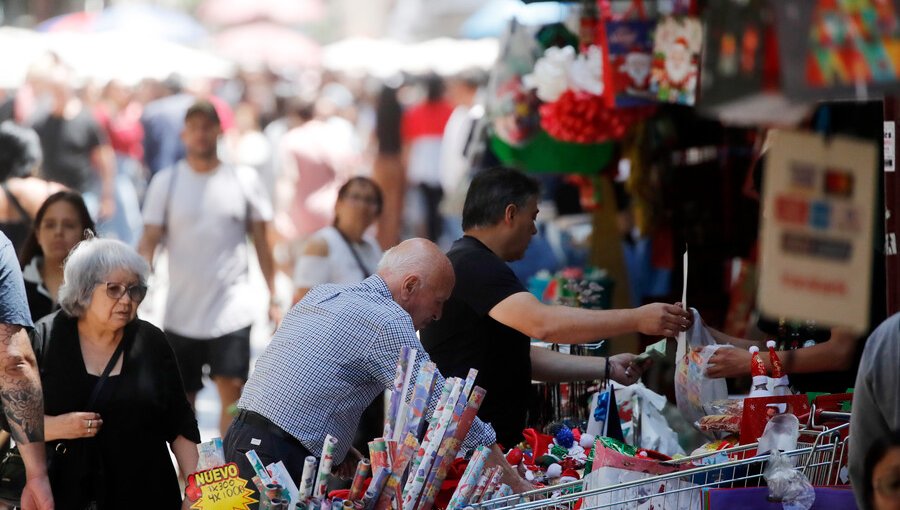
(117, 290)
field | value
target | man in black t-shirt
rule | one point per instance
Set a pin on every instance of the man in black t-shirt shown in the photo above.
(76, 152)
(490, 318)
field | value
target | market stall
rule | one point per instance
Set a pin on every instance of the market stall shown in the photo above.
(739, 142)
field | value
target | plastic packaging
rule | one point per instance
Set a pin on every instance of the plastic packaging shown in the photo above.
(720, 423)
(787, 485)
(692, 386)
(781, 434)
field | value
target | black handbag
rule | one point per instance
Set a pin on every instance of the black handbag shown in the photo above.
(12, 467)
(12, 477)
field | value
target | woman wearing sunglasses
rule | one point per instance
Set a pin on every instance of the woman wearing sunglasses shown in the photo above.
(113, 397)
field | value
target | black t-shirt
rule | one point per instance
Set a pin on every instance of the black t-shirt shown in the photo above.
(67, 146)
(467, 337)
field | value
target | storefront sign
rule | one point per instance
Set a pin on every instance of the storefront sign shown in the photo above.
(219, 488)
(817, 229)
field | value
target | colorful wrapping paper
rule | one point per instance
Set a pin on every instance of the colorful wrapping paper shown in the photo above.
(406, 451)
(403, 409)
(378, 454)
(479, 487)
(374, 490)
(420, 396)
(258, 467)
(493, 484)
(282, 477)
(309, 478)
(363, 470)
(325, 466)
(470, 382)
(431, 444)
(504, 491)
(449, 384)
(468, 416)
(445, 394)
(469, 479)
(443, 461)
(396, 393)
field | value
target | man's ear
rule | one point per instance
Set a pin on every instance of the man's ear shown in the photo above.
(409, 286)
(509, 214)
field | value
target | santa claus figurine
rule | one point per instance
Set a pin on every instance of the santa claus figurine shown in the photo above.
(676, 82)
(758, 371)
(635, 72)
(780, 384)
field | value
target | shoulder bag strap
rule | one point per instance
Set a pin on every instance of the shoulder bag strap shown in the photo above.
(359, 262)
(13, 201)
(103, 377)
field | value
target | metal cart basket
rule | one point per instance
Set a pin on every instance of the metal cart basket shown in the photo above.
(821, 455)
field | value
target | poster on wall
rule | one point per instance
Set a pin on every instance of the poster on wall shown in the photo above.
(817, 229)
(676, 59)
(838, 50)
(630, 45)
(733, 51)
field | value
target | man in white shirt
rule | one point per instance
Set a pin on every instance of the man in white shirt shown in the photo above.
(204, 209)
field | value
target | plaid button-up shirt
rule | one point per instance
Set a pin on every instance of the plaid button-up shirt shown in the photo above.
(334, 353)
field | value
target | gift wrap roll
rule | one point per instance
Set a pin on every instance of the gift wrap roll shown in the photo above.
(469, 479)
(363, 470)
(325, 466)
(378, 454)
(309, 478)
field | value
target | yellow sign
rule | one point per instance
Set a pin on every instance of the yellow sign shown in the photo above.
(219, 488)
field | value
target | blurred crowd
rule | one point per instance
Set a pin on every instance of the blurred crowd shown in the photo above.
(305, 137)
(320, 173)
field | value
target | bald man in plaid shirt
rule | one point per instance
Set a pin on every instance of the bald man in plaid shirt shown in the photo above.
(335, 352)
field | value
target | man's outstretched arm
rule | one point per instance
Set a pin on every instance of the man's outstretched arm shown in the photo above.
(23, 405)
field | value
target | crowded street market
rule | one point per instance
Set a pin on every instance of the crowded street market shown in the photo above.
(449, 254)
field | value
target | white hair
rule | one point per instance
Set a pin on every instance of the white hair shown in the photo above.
(89, 263)
(413, 257)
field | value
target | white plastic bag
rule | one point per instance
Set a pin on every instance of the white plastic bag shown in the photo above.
(692, 386)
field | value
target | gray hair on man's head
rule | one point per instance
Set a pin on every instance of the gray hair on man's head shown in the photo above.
(414, 256)
(90, 263)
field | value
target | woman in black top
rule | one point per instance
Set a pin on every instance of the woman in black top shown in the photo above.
(60, 223)
(115, 449)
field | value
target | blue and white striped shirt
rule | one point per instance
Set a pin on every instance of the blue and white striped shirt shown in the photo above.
(333, 354)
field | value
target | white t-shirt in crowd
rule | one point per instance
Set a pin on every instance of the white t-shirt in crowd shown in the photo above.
(339, 266)
(206, 237)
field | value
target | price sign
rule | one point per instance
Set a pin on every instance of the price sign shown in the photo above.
(219, 488)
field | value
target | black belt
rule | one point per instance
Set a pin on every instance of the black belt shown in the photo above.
(260, 421)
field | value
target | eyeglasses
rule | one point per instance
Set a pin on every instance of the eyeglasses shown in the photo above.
(116, 290)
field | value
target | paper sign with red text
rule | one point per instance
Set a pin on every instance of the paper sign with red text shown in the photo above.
(219, 488)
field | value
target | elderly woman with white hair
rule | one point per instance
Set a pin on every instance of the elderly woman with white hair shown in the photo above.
(113, 395)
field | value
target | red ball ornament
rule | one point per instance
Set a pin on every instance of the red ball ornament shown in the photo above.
(514, 457)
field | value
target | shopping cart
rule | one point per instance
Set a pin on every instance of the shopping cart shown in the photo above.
(821, 455)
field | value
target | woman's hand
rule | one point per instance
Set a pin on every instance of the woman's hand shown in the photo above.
(75, 425)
